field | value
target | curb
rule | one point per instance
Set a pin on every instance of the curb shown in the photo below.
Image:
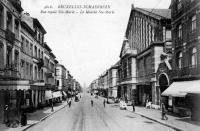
(165, 124)
(42, 119)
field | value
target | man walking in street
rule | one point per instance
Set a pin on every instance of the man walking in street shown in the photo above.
(70, 102)
(92, 103)
(133, 105)
(104, 103)
(164, 117)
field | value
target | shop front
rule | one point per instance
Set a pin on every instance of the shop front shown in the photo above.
(186, 98)
(12, 99)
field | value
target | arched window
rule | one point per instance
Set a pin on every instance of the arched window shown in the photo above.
(180, 58)
(194, 57)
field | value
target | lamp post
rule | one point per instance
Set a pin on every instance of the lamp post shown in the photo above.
(107, 95)
(52, 102)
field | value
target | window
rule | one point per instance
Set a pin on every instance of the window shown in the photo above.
(27, 46)
(31, 49)
(179, 5)
(180, 31)
(194, 56)
(194, 23)
(129, 67)
(180, 57)
(22, 44)
(1, 16)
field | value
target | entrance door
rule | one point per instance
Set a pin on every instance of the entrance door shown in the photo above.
(164, 84)
(1, 105)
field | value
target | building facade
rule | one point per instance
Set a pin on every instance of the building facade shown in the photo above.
(60, 76)
(112, 81)
(147, 37)
(10, 12)
(186, 57)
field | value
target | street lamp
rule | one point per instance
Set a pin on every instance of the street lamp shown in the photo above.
(107, 95)
(52, 102)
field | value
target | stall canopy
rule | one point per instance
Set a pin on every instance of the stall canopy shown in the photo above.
(48, 95)
(57, 94)
(193, 87)
(181, 88)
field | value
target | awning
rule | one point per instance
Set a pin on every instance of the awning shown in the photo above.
(193, 87)
(57, 94)
(180, 89)
(175, 89)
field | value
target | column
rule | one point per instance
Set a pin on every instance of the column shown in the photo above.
(5, 17)
(13, 24)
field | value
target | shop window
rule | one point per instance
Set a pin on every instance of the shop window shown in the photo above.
(13, 101)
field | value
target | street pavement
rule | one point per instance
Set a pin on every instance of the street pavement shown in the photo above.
(35, 117)
(83, 117)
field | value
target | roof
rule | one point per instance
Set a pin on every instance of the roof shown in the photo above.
(158, 13)
(38, 24)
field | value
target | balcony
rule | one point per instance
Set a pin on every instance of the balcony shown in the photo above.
(10, 72)
(10, 36)
(17, 4)
(192, 35)
(190, 71)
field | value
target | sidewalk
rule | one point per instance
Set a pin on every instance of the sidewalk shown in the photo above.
(175, 122)
(35, 117)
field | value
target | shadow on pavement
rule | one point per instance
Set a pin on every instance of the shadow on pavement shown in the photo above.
(130, 116)
(188, 120)
(148, 122)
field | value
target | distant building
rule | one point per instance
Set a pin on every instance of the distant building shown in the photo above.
(112, 81)
(60, 76)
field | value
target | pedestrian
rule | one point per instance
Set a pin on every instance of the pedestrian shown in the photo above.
(133, 105)
(23, 119)
(104, 103)
(164, 117)
(6, 120)
(69, 103)
(92, 103)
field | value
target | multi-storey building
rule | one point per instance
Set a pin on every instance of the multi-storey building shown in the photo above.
(186, 57)
(146, 39)
(10, 12)
(32, 60)
(112, 81)
(60, 76)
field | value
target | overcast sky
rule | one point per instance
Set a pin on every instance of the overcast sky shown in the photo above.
(87, 44)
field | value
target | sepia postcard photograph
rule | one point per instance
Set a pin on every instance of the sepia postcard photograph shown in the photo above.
(99, 65)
